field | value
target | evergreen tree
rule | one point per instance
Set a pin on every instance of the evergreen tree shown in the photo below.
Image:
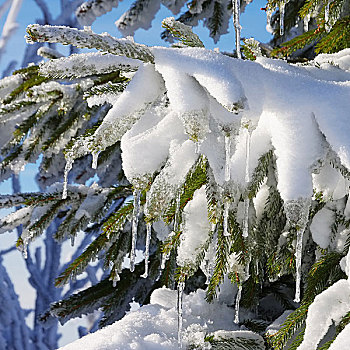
(238, 170)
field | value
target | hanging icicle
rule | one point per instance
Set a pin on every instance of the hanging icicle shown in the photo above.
(176, 227)
(226, 214)
(116, 279)
(148, 240)
(306, 22)
(72, 240)
(238, 301)
(298, 256)
(135, 221)
(228, 157)
(282, 13)
(297, 213)
(247, 180)
(180, 292)
(328, 25)
(67, 168)
(236, 14)
(269, 13)
(94, 159)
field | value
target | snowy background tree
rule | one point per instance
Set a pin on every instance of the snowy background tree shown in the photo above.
(238, 172)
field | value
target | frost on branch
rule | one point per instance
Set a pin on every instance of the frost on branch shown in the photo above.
(88, 11)
(87, 39)
(82, 65)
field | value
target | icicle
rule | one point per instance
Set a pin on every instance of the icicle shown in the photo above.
(226, 212)
(282, 11)
(72, 239)
(148, 240)
(228, 157)
(236, 14)
(180, 292)
(94, 159)
(298, 256)
(25, 250)
(247, 180)
(297, 213)
(328, 27)
(197, 146)
(238, 300)
(67, 168)
(135, 221)
(269, 13)
(177, 212)
(306, 22)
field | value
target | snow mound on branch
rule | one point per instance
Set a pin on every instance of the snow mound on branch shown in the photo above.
(154, 326)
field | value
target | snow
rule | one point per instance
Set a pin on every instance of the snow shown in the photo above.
(321, 227)
(154, 326)
(195, 230)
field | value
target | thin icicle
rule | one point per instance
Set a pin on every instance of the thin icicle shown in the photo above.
(247, 180)
(72, 239)
(177, 212)
(297, 213)
(306, 22)
(238, 301)
(148, 240)
(226, 212)
(236, 15)
(228, 157)
(328, 27)
(298, 256)
(67, 168)
(197, 148)
(135, 221)
(282, 13)
(94, 159)
(180, 292)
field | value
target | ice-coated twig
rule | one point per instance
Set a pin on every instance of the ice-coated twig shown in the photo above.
(88, 11)
(180, 292)
(236, 14)
(182, 32)
(85, 64)
(148, 240)
(135, 221)
(86, 39)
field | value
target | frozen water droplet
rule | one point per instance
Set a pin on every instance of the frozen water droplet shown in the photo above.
(236, 14)
(94, 159)
(238, 300)
(148, 240)
(180, 292)
(116, 279)
(135, 221)
(228, 157)
(67, 168)
(165, 258)
(226, 212)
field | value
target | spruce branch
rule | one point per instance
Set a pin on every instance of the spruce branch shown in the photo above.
(182, 32)
(88, 39)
